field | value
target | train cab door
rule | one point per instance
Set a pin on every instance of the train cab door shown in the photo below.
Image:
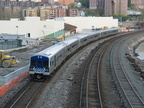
(43, 63)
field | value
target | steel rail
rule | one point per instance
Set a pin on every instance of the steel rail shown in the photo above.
(133, 99)
(28, 95)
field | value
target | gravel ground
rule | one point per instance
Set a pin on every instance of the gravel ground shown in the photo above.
(23, 55)
(63, 89)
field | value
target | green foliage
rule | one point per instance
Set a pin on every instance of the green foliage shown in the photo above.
(94, 12)
(142, 10)
(121, 17)
(72, 6)
(131, 6)
(85, 3)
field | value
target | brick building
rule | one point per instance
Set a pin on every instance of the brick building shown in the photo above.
(52, 13)
(72, 12)
(65, 2)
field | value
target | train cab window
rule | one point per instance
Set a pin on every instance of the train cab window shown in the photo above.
(33, 62)
(46, 64)
(39, 64)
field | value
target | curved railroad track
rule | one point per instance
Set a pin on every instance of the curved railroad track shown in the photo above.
(91, 95)
(128, 90)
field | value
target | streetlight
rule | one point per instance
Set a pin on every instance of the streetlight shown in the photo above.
(17, 31)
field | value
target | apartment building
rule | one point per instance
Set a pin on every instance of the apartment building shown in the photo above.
(51, 2)
(118, 7)
(138, 3)
(44, 14)
(32, 12)
(93, 4)
(52, 13)
(72, 12)
(65, 2)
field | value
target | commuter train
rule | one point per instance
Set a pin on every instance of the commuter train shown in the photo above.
(44, 63)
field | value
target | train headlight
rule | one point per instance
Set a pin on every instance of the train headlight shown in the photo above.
(45, 69)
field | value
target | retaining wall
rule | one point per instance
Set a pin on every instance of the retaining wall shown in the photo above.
(8, 81)
(133, 43)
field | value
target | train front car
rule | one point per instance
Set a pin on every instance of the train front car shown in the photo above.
(45, 62)
(39, 67)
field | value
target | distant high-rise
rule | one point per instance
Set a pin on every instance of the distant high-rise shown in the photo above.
(65, 2)
(138, 3)
(118, 7)
(44, 1)
(51, 2)
(93, 4)
(101, 3)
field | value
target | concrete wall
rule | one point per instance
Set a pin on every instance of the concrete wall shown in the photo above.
(8, 81)
(84, 23)
(31, 25)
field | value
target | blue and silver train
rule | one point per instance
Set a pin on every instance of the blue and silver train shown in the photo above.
(45, 62)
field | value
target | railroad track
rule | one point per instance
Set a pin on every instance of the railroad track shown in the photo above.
(91, 94)
(90, 98)
(28, 96)
(128, 91)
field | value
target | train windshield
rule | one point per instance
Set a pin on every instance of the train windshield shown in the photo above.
(33, 62)
(39, 62)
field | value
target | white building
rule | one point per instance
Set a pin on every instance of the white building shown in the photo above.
(33, 27)
(85, 23)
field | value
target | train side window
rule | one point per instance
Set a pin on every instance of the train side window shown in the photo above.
(68, 49)
(46, 64)
(50, 63)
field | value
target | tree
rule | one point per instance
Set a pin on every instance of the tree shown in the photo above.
(85, 3)
(142, 12)
(131, 6)
(121, 17)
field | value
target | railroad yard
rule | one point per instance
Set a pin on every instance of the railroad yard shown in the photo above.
(65, 89)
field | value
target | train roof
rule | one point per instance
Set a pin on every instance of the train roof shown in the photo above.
(70, 40)
(52, 50)
(83, 35)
